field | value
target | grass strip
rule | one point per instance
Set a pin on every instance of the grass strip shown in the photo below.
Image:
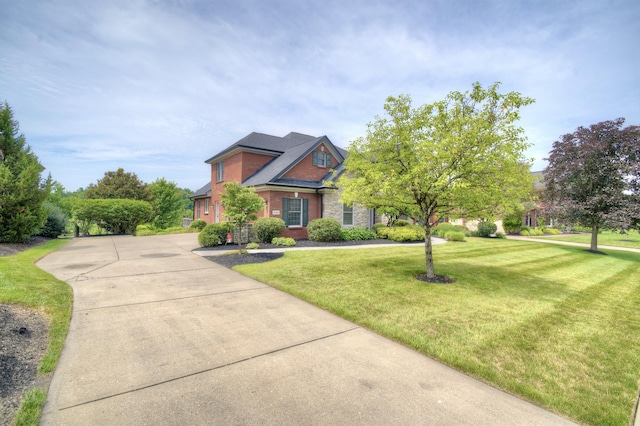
(553, 324)
(25, 284)
(605, 238)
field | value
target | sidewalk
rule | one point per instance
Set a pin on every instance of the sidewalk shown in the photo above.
(160, 335)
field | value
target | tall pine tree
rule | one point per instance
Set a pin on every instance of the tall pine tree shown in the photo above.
(22, 189)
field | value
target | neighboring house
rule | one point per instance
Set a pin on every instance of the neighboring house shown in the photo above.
(293, 175)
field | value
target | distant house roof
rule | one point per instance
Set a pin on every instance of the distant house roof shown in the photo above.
(287, 152)
(205, 191)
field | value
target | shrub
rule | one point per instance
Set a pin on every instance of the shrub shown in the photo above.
(401, 222)
(454, 236)
(214, 234)
(486, 228)
(118, 216)
(406, 233)
(325, 229)
(551, 231)
(267, 228)
(282, 241)
(524, 233)
(377, 226)
(513, 222)
(536, 232)
(197, 224)
(442, 228)
(56, 223)
(172, 230)
(358, 234)
(474, 234)
(145, 230)
(501, 236)
(253, 246)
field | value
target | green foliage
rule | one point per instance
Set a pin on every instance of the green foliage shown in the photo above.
(167, 202)
(22, 190)
(447, 157)
(513, 221)
(383, 231)
(324, 229)
(401, 222)
(121, 185)
(31, 408)
(551, 231)
(283, 241)
(267, 228)
(580, 228)
(378, 225)
(197, 224)
(57, 221)
(536, 231)
(486, 228)
(215, 234)
(406, 233)
(145, 230)
(501, 236)
(454, 236)
(117, 216)
(358, 234)
(253, 246)
(525, 233)
(241, 203)
(445, 227)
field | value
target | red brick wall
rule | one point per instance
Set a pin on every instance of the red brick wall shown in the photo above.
(306, 170)
(251, 162)
(274, 202)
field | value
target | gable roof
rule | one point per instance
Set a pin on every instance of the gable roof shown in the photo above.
(287, 151)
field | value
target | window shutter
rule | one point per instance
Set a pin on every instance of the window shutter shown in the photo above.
(305, 211)
(285, 211)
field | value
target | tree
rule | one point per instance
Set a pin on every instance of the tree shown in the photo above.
(241, 203)
(120, 184)
(461, 156)
(167, 201)
(22, 190)
(593, 178)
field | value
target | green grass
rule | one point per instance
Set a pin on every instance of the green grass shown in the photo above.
(31, 408)
(606, 238)
(554, 324)
(25, 284)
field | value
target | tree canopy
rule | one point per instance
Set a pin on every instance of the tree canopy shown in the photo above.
(22, 189)
(241, 204)
(593, 178)
(461, 156)
(167, 202)
(120, 184)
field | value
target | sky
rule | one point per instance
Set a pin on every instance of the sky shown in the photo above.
(159, 86)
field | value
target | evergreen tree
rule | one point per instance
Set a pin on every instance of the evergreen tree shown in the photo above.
(22, 189)
(167, 202)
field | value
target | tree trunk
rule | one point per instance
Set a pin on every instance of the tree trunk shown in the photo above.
(594, 238)
(428, 250)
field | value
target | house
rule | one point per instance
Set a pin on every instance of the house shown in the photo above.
(293, 174)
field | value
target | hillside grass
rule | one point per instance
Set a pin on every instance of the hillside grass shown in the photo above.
(553, 324)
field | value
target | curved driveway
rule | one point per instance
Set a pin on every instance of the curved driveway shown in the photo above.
(160, 335)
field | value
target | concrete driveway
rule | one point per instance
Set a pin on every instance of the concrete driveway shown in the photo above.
(160, 335)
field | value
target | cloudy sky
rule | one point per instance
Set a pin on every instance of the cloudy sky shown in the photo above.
(159, 86)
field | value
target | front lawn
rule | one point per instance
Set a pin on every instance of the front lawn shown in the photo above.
(554, 324)
(605, 238)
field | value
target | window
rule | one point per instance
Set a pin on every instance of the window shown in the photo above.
(322, 159)
(216, 211)
(295, 211)
(206, 206)
(198, 210)
(347, 215)
(220, 171)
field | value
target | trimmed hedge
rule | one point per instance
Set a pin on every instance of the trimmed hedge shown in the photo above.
(115, 215)
(454, 236)
(283, 241)
(214, 234)
(268, 228)
(486, 228)
(325, 229)
(358, 234)
(198, 224)
(406, 233)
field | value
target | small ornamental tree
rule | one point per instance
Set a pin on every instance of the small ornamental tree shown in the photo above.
(593, 178)
(241, 203)
(461, 156)
(168, 204)
(22, 189)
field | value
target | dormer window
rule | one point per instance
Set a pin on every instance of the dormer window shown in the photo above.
(321, 159)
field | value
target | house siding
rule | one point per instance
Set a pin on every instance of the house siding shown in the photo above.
(333, 209)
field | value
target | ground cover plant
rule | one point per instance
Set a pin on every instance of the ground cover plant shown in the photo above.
(605, 238)
(25, 284)
(556, 325)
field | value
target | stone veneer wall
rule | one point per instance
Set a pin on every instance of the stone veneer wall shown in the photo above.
(332, 208)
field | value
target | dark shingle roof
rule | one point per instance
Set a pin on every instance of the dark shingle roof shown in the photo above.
(267, 143)
(202, 192)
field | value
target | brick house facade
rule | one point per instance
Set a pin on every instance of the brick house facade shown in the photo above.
(293, 175)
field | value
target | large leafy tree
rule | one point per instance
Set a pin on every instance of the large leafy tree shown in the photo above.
(120, 184)
(593, 177)
(167, 201)
(461, 156)
(22, 189)
(241, 203)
